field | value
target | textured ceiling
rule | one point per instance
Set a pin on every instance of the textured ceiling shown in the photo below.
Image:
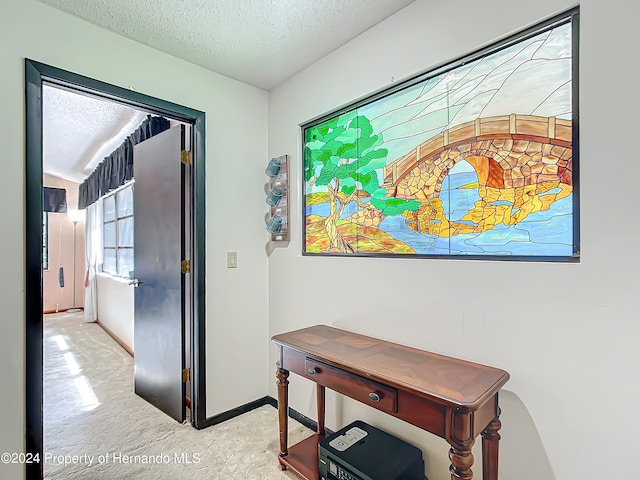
(260, 42)
(79, 131)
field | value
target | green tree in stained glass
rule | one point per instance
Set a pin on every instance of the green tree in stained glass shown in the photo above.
(343, 155)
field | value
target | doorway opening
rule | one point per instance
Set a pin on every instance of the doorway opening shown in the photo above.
(37, 74)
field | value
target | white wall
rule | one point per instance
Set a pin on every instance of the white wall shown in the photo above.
(567, 333)
(115, 306)
(236, 328)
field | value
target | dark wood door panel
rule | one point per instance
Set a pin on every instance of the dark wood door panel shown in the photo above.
(158, 252)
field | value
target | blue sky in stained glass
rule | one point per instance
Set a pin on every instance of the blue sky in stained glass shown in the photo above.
(493, 85)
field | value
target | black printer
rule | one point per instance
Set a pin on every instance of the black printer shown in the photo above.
(362, 452)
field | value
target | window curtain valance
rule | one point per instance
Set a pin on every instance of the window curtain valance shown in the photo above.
(117, 168)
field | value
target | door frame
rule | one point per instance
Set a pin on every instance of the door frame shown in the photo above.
(35, 74)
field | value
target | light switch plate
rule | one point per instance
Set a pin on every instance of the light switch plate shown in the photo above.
(232, 259)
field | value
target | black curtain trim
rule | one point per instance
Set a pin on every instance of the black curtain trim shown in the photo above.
(117, 168)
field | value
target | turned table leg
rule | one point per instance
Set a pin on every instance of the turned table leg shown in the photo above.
(461, 461)
(490, 444)
(321, 408)
(283, 406)
(461, 439)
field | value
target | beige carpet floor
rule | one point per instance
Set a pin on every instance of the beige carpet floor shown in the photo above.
(96, 428)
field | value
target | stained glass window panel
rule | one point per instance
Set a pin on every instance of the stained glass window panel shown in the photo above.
(475, 160)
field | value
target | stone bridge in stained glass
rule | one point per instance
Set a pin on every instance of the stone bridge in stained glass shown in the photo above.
(508, 151)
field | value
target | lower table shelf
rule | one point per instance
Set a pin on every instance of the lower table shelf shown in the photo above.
(303, 457)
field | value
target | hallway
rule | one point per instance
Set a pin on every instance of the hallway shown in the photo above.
(96, 424)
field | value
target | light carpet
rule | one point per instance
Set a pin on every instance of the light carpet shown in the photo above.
(96, 427)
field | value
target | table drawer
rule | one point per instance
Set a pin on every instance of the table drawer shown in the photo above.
(360, 388)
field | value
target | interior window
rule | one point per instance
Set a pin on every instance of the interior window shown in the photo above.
(118, 232)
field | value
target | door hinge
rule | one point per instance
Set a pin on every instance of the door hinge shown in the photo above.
(186, 375)
(186, 157)
(186, 266)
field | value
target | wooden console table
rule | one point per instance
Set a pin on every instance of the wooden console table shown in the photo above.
(449, 397)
